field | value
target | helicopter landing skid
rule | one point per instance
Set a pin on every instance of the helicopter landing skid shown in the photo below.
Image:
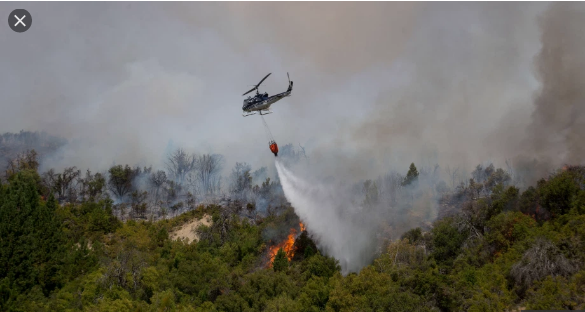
(254, 113)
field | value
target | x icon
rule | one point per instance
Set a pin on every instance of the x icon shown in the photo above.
(20, 20)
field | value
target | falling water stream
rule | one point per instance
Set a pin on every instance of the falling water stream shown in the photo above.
(323, 210)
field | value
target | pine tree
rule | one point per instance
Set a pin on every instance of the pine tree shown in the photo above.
(411, 176)
(302, 244)
(280, 261)
(31, 244)
(309, 252)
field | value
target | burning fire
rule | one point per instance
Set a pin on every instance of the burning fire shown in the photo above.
(286, 245)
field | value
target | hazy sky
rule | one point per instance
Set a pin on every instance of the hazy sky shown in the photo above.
(376, 85)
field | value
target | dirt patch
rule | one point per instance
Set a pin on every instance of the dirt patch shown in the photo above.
(187, 230)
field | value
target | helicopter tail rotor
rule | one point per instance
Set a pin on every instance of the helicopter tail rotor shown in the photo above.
(290, 83)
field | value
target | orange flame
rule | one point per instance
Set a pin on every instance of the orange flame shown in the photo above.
(286, 245)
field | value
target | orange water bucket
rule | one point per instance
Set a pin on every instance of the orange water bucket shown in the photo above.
(274, 148)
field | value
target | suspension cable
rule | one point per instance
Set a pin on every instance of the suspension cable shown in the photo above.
(267, 130)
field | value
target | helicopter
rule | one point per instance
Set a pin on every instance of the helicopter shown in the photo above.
(262, 101)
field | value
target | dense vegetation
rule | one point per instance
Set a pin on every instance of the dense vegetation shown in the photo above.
(494, 248)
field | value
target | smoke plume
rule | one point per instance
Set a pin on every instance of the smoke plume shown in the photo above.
(558, 121)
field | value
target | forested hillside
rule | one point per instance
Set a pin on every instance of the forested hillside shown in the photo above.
(93, 242)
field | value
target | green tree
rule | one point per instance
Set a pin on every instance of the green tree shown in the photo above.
(303, 247)
(447, 241)
(309, 251)
(413, 236)
(320, 265)
(529, 204)
(98, 217)
(31, 241)
(280, 261)
(282, 303)
(411, 176)
(121, 179)
(92, 186)
(503, 201)
(557, 194)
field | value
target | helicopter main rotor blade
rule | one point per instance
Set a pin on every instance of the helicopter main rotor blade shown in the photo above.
(288, 77)
(250, 91)
(262, 80)
(256, 86)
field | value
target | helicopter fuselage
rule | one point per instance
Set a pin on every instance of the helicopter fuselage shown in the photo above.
(258, 103)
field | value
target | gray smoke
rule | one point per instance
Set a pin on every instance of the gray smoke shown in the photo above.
(558, 121)
(377, 84)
